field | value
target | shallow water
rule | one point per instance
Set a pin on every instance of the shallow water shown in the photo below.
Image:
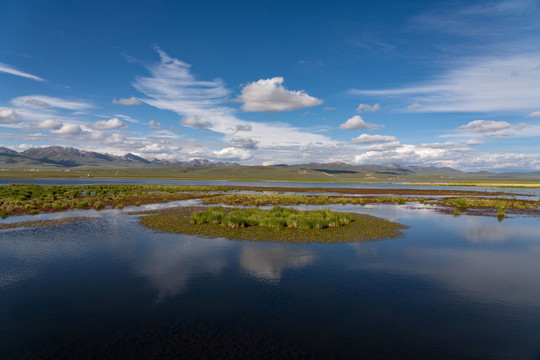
(465, 287)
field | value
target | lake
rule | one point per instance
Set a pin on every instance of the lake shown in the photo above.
(453, 287)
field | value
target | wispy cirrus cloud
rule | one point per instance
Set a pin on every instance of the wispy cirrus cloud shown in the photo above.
(483, 84)
(43, 101)
(11, 70)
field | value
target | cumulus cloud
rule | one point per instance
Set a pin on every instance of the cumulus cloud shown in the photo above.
(243, 128)
(535, 115)
(367, 107)
(110, 124)
(371, 139)
(448, 157)
(156, 125)
(232, 153)
(68, 129)
(246, 143)
(48, 101)
(474, 142)
(356, 122)
(129, 101)
(195, 121)
(414, 106)
(487, 128)
(11, 70)
(271, 96)
(384, 147)
(9, 116)
(48, 124)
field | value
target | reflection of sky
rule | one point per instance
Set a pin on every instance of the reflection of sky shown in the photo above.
(170, 266)
(266, 262)
(497, 262)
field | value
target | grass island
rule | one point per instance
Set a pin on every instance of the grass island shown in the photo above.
(277, 224)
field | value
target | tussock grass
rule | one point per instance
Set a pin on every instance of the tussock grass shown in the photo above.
(277, 218)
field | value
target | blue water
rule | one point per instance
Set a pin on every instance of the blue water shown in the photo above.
(452, 288)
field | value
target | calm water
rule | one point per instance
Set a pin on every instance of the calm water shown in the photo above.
(466, 287)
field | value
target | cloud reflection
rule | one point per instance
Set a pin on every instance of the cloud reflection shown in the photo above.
(266, 263)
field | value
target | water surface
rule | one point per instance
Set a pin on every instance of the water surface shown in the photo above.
(465, 287)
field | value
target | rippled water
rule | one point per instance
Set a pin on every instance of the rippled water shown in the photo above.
(465, 287)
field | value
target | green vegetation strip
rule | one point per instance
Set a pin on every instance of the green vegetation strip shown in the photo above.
(45, 223)
(20, 199)
(499, 205)
(278, 224)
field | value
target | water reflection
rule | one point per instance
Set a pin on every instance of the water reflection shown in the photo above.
(266, 262)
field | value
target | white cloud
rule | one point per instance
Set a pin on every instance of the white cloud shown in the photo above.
(110, 124)
(356, 122)
(487, 128)
(246, 143)
(535, 115)
(48, 101)
(243, 128)
(384, 147)
(129, 101)
(474, 142)
(367, 107)
(271, 96)
(232, 153)
(371, 139)
(47, 124)
(446, 145)
(481, 84)
(171, 86)
(195, 121)
(10, 70)
(9, 116)
(156, 125)
(466, 160)
(68, 129)
(414, 106)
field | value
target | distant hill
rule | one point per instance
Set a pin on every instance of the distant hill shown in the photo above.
(57, 158)
(66, 157)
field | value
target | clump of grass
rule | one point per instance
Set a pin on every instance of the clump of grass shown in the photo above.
(278, 217)
(277, 228)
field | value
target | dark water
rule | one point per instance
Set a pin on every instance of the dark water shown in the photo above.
(453, 288)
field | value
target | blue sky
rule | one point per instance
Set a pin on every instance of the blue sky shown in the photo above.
(428, 83)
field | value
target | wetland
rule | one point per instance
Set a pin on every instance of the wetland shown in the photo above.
(142, 276)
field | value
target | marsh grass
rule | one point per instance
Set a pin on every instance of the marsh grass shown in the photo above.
(359, 228)
(277, 217)
(19, 199)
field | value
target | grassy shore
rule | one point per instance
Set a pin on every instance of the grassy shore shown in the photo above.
(358, 227)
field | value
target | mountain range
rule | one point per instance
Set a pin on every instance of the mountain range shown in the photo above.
(67, 159)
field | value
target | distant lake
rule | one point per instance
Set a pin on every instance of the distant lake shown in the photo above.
(453, 288)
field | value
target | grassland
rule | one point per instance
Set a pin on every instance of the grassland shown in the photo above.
(272, 225)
